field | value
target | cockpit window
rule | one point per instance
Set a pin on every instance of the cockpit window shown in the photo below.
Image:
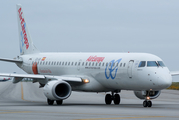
(142, 64)
(161, 63)
(152, 64)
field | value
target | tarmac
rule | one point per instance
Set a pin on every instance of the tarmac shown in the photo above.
(26, 100)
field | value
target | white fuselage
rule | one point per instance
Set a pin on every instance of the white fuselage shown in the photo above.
(106, 71)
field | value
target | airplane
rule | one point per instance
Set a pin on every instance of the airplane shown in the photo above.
(61, 73)
(4, 79)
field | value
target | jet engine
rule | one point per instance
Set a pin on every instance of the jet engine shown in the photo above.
(143, 94)
(57, 90)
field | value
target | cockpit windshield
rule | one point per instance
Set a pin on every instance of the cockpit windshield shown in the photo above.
(142, 64)
(152, 64)
(161, 63)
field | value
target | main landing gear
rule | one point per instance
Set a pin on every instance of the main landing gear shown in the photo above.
(51, 102)
(109, 97)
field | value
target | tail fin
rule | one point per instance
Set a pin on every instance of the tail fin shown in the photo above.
(26, 44)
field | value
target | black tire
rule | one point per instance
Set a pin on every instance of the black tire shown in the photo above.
(145, 103)
(50, 102)
(149, 103)
(59, 102)
(108, 99)
(117, 99)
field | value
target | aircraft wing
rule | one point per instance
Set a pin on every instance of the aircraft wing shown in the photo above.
(174, 73)
(42, 78)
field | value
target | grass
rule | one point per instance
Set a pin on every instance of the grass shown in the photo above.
(174, 86)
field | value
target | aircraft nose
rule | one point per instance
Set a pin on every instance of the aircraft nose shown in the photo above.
(166, 81)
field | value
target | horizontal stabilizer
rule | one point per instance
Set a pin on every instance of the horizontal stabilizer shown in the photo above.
(11, 60)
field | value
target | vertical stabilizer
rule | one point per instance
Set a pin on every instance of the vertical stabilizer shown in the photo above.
(26, 44)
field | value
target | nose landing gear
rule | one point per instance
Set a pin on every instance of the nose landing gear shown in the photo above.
(147, 102)
(109, 97)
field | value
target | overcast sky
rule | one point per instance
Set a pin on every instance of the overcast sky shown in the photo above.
(149, 26)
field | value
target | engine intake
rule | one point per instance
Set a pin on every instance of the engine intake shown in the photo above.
(143, 94)
(57, 90)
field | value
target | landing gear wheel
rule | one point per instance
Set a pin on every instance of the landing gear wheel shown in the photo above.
(50, 102)
(59, 102)
(145, 103)
(149, 103)
(117, 99)
(108, 99)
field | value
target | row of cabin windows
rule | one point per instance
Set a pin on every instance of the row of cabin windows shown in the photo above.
(78, 63)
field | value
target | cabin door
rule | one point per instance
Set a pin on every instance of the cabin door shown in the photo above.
(129, 68)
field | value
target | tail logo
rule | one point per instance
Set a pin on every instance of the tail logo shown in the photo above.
(23, 32)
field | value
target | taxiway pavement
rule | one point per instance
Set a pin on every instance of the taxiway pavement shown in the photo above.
(25, 101)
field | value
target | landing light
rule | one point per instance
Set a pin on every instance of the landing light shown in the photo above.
(85, 80)
(148, 98)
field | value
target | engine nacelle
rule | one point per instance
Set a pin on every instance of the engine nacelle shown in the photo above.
(142, 94)
(57, 90)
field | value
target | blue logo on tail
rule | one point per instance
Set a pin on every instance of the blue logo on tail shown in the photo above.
(112, 68)
(22, 39)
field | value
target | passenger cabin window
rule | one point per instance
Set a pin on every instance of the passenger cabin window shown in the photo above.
(71, 63)
(86, 63)
(99, 64)
(82, 63)
(106, 64)
(142, 64)
(103, 64)
(121, 65)
(93, 64)
(124, 64)
(54, 63)
(113, 64)
(152, 64)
